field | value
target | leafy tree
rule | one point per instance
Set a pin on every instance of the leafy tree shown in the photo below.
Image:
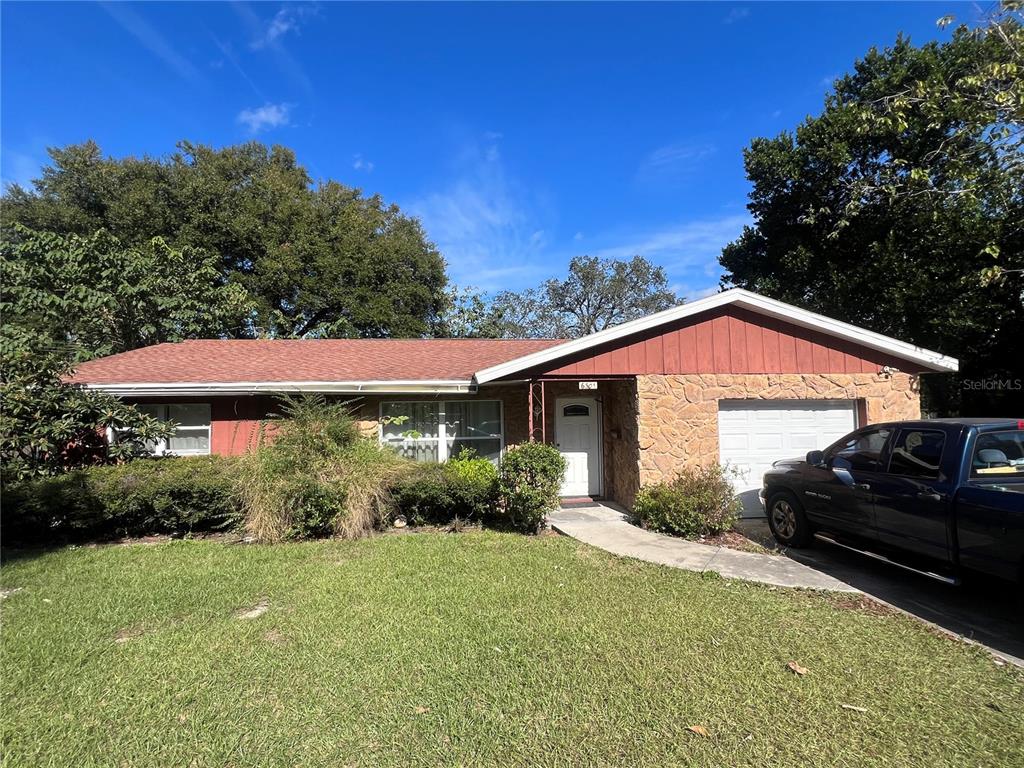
(468, 314)
(47, 426)
(596, 294)
(318, 260)
(93, 296)
(68, 298)
(892, 214)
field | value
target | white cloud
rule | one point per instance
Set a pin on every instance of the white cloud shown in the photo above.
(360, 163)
(673, 154)
(683, 245)
(268, 36)
(692, 294)
(490, 229)
(151, 39)
(228, 52)
(259, 119)
(287, 19)
(736, 14)
(497, 233)
(688, 251)
(674, 161)
(20, 167)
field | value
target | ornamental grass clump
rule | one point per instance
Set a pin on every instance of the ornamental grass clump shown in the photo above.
(698, 501)
(318, 476)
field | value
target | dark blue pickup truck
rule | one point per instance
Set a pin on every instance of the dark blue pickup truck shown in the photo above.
(936, 496)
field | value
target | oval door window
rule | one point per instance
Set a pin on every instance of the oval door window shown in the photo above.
(576, 410)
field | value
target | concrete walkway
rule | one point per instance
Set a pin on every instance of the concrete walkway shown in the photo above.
(606, 528)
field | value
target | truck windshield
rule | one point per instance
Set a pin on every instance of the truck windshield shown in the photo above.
(999, 453)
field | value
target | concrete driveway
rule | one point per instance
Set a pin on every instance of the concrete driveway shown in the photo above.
(981, 609)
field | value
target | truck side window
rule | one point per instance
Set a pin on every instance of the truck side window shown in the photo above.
(862, 451)
(917, 453)
(998, 453)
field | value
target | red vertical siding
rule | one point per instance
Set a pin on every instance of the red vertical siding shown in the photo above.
(729, 340)
(720, 344)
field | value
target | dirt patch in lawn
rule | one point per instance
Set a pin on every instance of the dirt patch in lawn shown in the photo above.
(745, 539)
(255, 611)
(122, 636)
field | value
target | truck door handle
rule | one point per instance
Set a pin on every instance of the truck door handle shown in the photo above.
(929, 496)
(862, 486)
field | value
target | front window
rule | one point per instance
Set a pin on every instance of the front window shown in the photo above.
(192, 435)
(440, 430)
(998, 453)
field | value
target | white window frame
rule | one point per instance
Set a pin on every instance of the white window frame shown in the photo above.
(162, 446)
(442, 436)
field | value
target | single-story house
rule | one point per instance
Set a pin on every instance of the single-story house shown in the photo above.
(735, 377)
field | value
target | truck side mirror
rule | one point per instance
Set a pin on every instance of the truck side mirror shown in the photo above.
(815, 458)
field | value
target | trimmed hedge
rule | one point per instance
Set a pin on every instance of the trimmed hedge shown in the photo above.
(464, 488)
(698, 501)
(146, 496)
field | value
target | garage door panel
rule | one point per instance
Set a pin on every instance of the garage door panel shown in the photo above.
(753, 434)
(768, 441)
(734, 442)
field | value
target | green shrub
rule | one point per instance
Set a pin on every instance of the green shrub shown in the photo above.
(318, 475)
(699, 501)
(529, 484)
(464, 488)
(424, 495)
(145, 496)
(474, 481)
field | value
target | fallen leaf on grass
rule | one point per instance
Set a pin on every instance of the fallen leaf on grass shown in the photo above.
(700, 730)
(796, 669)
(853, 708)
(421, 710)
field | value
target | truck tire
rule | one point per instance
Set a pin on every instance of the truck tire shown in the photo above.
(787, 520)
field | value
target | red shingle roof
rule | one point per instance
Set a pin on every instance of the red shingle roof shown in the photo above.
(321, 360)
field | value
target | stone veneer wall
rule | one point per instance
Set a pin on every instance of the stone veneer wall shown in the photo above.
(678, 415)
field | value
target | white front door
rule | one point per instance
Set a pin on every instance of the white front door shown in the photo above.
(578, 436)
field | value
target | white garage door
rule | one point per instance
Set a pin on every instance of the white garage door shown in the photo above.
(754, 433)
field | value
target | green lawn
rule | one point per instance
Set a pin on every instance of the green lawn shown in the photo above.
(469, 649)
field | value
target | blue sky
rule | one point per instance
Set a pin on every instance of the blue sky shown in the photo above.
(520, 134)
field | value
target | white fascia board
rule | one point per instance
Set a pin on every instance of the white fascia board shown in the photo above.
(739, 297)
(199, 389)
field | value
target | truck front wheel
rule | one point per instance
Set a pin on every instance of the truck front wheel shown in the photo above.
(787, 520)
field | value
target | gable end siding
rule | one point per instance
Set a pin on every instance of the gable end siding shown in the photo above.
(727, 340)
